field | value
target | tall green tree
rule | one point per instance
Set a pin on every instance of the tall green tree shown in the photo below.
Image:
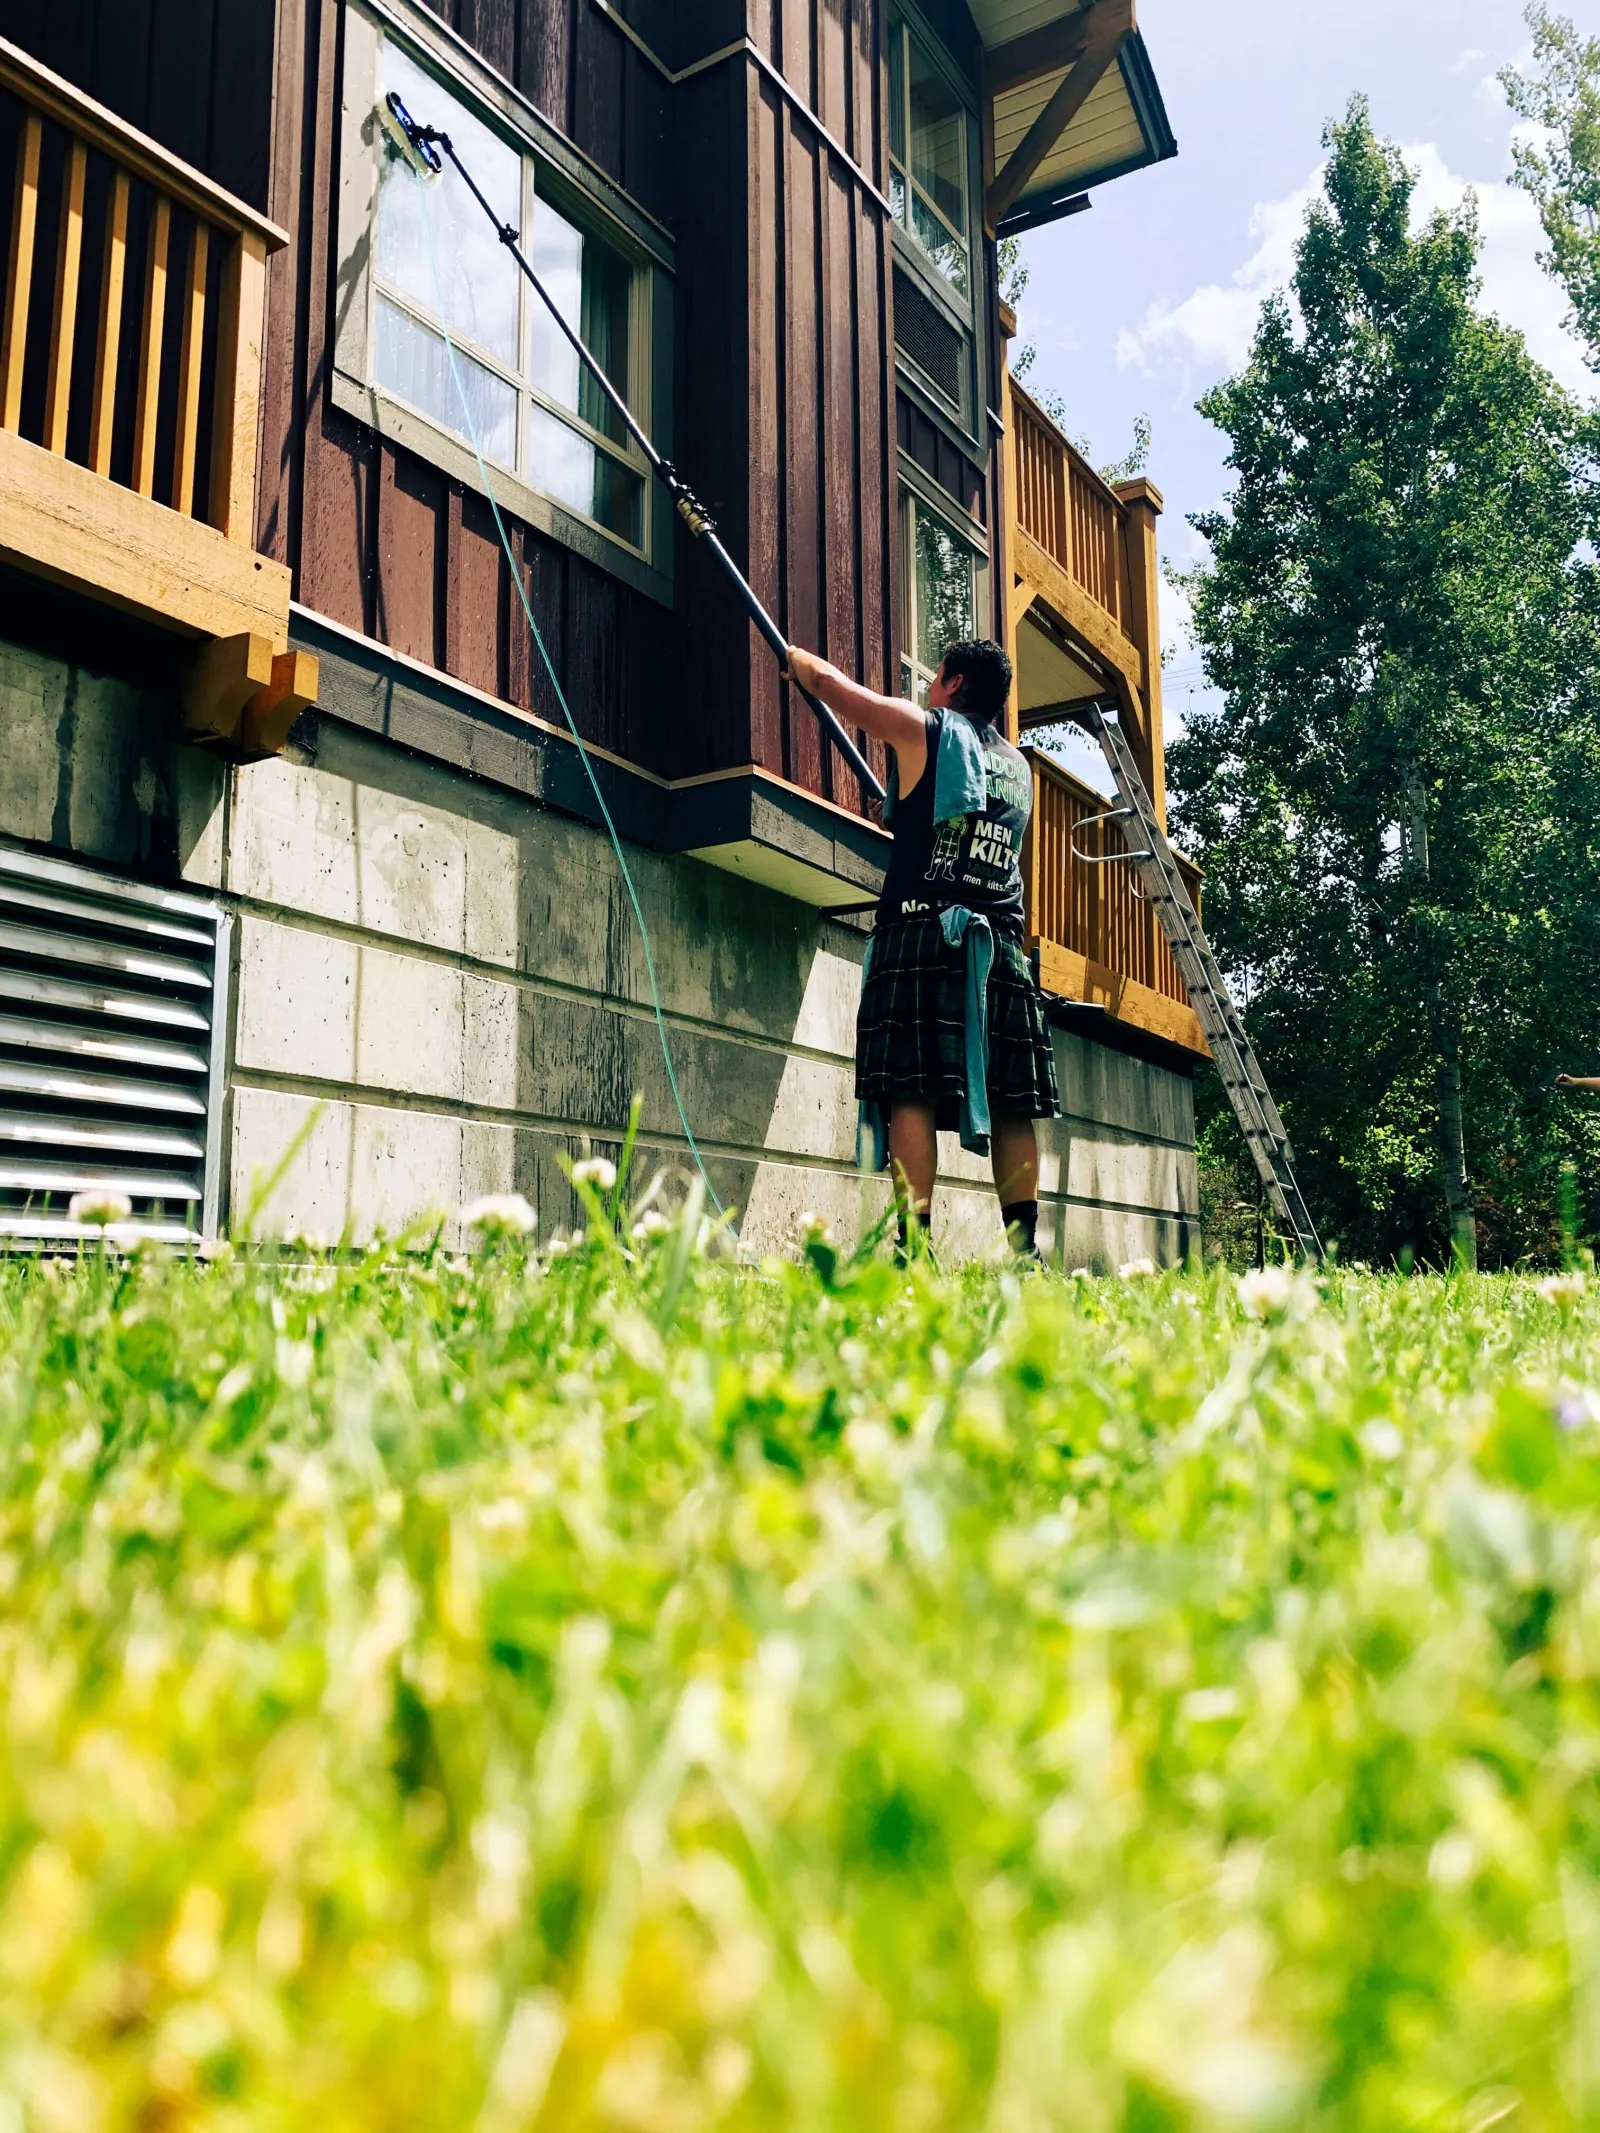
(1560, 164)
(1396, 796)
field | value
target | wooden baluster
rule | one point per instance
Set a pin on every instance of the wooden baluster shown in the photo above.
(109, 346)
(64, 323)
(19, 272)
(194, 330)
(150, 337)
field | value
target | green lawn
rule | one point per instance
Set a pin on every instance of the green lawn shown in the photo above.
(658, 1695)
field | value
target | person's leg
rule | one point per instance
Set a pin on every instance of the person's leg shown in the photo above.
(1014, 1153)
(914, 1159)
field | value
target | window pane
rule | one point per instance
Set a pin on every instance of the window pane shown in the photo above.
(412, 362)
(938, 141)
(578, 474)
(948, 253)
(592, 287)
(476, 281)
(943, 587)
(897, 93)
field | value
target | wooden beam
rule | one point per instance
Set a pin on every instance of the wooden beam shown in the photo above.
(223, 677)
(19, 272)
(112, 280)
(187, 447)
(264, 729)
(150, 338)
(1070, 976)
(1113, 20)
(64, 523)
(1083, 620)
(1038, 52)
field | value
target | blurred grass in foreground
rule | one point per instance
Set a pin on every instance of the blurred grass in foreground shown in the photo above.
(649, 1694)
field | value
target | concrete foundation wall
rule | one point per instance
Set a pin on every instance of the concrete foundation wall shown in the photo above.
(441, 990)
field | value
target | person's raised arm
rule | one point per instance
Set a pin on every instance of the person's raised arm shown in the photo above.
(1578, 1081)
(900, 725)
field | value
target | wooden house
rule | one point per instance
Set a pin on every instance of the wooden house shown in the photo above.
(301, 869)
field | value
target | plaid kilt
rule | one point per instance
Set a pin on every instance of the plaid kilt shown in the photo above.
(911, 1030)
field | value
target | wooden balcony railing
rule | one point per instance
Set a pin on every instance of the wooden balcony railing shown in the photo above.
(134, 296)
(1096, 936)
(1061, 502)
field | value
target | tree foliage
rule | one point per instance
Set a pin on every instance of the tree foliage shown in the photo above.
(1560, 166)
(1398, 798)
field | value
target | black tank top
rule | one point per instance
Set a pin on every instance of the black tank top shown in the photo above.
(975, 860)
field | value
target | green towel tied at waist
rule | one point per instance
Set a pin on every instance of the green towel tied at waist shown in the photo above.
(971, 930)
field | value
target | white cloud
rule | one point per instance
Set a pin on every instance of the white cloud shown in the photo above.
(1210, 332)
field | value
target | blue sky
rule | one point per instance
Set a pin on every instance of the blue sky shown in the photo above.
(1141, 304)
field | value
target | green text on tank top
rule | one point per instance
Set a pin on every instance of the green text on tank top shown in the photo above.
(974, 860)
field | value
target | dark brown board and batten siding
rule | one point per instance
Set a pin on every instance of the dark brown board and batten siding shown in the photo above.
(784, 402)
(196, 75)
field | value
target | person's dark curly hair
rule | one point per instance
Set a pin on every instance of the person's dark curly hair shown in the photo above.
(983, 669)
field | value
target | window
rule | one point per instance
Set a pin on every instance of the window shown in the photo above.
(940, 590)
(415, 259)
(535, 407)
(929, 133)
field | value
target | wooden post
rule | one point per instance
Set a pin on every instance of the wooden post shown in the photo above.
(237, 423)
(64, 323)
(110, 344)
(1006, 519)
(1144, 506)
(19, 272)
(154, 325)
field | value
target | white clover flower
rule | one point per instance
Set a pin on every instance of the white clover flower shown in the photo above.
(500, 1214)
(1565, 1290)
(305, 1240)
(1266, 1291)
(595, 1170)
(100, 1206)
(651, 1224)
(1081, 1273)
(557, 1246)
(216, 1251)
(814, 1229)
(1137, 1270)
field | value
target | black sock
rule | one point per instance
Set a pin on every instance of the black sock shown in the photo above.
(1021, 1219)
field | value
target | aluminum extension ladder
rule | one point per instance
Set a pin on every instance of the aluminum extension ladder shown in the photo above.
(1203, 980)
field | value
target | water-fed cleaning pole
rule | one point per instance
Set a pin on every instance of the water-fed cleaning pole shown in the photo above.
(425, 143)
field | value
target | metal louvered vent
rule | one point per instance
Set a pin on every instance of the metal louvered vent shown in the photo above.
(922, 332)
(111, 1016)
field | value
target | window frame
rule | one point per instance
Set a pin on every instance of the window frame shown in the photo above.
(965, 425)
(904, 26)
(554, 170)
(918, 494)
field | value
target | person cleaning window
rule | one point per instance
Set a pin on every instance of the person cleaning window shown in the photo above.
(951, 1034)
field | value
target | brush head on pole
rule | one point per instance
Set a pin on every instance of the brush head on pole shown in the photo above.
(412, 143)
